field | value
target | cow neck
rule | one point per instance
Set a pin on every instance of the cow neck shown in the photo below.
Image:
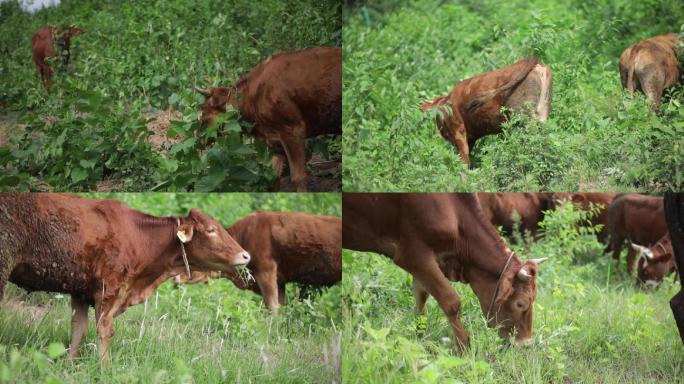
(159, 234)
(236, 231)
(487, 256)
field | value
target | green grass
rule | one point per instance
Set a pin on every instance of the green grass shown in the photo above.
(200, 333)
(136, 62)
(590, 326)
(597, 138)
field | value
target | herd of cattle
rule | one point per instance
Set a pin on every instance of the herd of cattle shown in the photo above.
(442, 237)
(109, 256)
(289, 97)
(650, 66)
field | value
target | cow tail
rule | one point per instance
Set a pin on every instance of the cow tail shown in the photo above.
(528, 65)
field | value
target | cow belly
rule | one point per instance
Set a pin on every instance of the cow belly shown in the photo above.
(51, 278)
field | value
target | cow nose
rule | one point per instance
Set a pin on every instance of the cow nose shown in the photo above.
(244, 257)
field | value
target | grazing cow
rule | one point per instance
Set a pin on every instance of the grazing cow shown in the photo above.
(637, 218)
(476, 102)
(289, 97)
(654, 262)
(674, 215)
(43, 46)
(286, 247)
(500, 209)
(651, 66)
(103, 253)
(585, 201)
(438, 237)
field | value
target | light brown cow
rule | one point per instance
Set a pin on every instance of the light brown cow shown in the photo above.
(637, 218)
(437, 237)
(103, 253)
(476, 102)
(286, 247)
(289, 97)
(500, 209)
(654, 263)
(651, 66)
(43, 46)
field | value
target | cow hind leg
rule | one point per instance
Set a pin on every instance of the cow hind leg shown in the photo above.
(104, 317)
(79, 324)
(295, 149)
(420, 296)
(268, 285)
(431, 278)
(652, 81)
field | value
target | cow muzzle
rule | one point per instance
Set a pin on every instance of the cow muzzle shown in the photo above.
(242, 258)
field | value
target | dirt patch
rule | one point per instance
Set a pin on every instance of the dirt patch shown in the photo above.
(23, 309)
(160, 124)
(111, 185)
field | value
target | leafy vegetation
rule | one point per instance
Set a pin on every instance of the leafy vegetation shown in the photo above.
(590, 324)
(197, 333)
(135, 63)
(398, 54)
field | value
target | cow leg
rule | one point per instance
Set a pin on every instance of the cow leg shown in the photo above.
(420, 295)
(428, 274)
(278, 164)
(105, 321)
(462, 147)
(281, 294)
(631, 259)
(616, 245)
(295, 149)
(79, 324)
(268, 284)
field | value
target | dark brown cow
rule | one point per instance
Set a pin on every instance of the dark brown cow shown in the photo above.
(585, 201)
(500, 209)
(286, 247)
(43, 46)
(651, 66)
(476, 102)
(103, 253)
(637, 218)
(654, 262)
(438, 237)
(674, 215)
(289, 97)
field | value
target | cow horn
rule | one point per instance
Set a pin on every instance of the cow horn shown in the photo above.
(643, 251)
(524, 275)
(203, 92)
(538, 261)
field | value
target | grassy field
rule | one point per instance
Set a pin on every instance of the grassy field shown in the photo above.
(188, 334)
(590, 325)
(127, 98)
(400, 53)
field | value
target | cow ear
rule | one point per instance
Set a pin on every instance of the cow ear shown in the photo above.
(185, 232)
(505, 289)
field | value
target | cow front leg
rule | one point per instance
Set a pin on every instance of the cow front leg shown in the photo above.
(295, 149)
(79, 324)
(105, 329)
(631, 258)
(424, 268)
(268, 285)
(420, 295)
(461, 143)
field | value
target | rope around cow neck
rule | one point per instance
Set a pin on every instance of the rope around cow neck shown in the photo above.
(185, 256)
(498, 284)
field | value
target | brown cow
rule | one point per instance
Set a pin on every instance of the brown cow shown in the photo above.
(674, 216)
(654, 262)
(585, 201)
(438, 237)
(476, 102)
(651, 66)
(289, 97)
(500, 209)
(103, 253)
(286, 247)
(637, 218)
(43, 46)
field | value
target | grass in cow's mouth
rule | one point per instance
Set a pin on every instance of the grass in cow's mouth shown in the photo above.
(244, 274)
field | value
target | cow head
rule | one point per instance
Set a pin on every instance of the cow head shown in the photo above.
(72, 31)
(653, 264)
(512, 307)
(216, 101)
(208, 244)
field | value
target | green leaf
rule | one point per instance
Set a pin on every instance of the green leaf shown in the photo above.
(55, 350)
(78, 174)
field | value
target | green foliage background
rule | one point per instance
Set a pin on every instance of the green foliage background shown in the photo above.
(590, 324)
(138, 57)
(400, 53)
(196, 333)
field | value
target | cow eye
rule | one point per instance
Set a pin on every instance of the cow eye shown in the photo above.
(211, 230)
